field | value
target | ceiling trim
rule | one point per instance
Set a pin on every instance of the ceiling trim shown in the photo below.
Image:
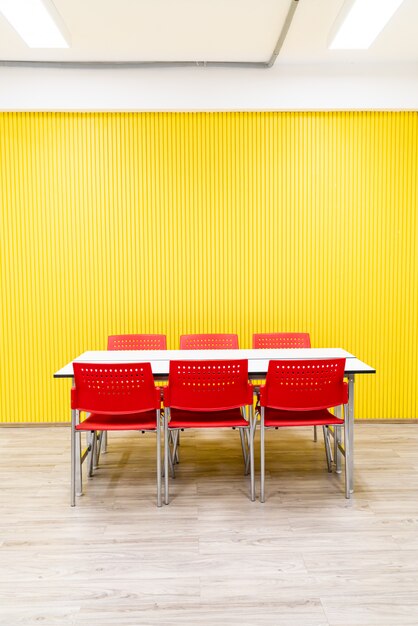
(106, 65)
(283, 32)
(96, 65)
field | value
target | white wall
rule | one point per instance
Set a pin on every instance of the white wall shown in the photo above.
(283, 87)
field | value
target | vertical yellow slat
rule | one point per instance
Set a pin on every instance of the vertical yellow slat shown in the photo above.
(207, 222)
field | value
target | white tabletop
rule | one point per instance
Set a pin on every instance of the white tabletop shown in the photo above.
(257, 359)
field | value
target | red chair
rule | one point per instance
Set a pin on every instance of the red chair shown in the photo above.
(134, 342)
(209, 394)
(137, 342)
(209, 342)
(217, 341)
(115, 397)
(281, 340)
(299, 393)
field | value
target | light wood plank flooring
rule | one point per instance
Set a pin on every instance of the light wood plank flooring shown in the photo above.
(306, 557)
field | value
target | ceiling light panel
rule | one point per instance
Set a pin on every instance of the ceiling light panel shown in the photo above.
(360, 23)
(37, 22)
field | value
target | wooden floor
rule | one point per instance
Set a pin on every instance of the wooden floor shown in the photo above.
(306, 557)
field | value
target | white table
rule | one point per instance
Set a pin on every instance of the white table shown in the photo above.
(257, 367)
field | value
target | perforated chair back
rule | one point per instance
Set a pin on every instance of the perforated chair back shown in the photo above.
(111, 388)
(209, 342)
(304, 385)
(208, 385)
(137, 342)
(281, 340)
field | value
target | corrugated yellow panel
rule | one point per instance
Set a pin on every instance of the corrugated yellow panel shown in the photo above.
(219, 222)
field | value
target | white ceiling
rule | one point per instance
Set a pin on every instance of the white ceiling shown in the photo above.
(211, 30)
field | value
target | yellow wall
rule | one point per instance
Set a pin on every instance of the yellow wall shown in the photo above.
(175, 223)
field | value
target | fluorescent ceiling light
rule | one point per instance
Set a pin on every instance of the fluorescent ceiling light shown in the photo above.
(37, 22)
(362, 22)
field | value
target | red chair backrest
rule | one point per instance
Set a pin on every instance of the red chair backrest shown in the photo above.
(304, 385)
(209, 342)
(208, 385)
(114, 388)
(281, 340)
(137, 342)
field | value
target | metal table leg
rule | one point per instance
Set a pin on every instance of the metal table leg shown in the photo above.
(351, 428)
(78, 471)
(337, 442)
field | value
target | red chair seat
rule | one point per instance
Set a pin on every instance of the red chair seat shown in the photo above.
(203, 419)
(130, 421)
(277, 417)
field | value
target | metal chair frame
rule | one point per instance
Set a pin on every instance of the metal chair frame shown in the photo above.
(329, 430)
(92, 451)
(247, 435)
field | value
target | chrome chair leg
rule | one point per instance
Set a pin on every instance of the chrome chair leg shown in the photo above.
(337, 452)
(172, 453)
(79, 462)
(91, 443)
(176, 443)
(243, 447)
(262, 452)
(170, 465)
(104, 442)
(252, 433)
(98, 448)
(73, 458)
(247, 466)
(337, 441)
(158, 458)
(166, 455)
(327, 448)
